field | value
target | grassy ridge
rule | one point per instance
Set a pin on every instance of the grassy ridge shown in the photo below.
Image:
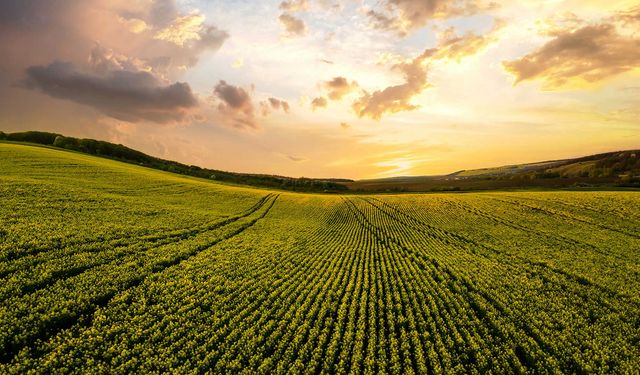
(125, 154)
(108, 267)
(612, 169)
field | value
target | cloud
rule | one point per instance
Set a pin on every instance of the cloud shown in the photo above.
(326, 61)
(574, 57)
(332, 5)
(295, 6)
(395, 99)
(344, 125)
(277, 103)
(296, 159)
(190, 32)
(265, 109)
(198, 117)
(120, 24)
(120, 94)
(295, 27)
(386, 58)
(628, 17)
(134, 25)
(160, 65)
(292, 158)
(559, 23)
(238, 63)
(182, 29)
(380, 21)
(303, 99)
(405, 16)
(273, 103)
(236, 106)
(400, 166)
(633, 88)
(211, 38)
(339, 87)
(454, 48)
(362, 136)
(102, 60)
(162, 148)
(319, 102)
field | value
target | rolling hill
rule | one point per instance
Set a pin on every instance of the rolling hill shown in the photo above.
(620, 168)
(128, 155)
(110, 267)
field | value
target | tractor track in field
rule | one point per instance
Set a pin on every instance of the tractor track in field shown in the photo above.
(119, 241)
(555, 213)
(468, 284)
(85, 316)
(569, 275)
(6, 292)
(524, 327)
(552, 236)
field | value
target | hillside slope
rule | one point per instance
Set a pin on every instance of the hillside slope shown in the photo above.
(613, 169)
(108, 267)
(608, 164)
(620, 168)
(125, 154)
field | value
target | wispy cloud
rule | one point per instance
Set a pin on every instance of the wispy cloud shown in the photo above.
(295, 159)
(401, 166)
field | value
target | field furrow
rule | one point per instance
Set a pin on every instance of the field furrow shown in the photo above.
(110, 268)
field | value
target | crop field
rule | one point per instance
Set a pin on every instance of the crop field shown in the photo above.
(111, 268)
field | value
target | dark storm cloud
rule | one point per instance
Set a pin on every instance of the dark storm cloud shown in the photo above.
(120, 94)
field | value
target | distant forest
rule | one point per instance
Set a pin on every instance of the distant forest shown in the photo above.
(125, 154)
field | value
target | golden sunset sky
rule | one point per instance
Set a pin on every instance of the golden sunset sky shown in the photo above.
(328, 88)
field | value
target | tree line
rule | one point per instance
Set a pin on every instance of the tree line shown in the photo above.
(128, 155)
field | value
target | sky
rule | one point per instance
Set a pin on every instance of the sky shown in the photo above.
(328, 88)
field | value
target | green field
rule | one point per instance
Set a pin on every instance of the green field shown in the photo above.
(508, 169)
(111, 268)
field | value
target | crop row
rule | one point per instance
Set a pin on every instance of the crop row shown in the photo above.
(360, 285)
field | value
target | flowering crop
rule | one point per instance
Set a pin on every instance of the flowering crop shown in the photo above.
(113, 268)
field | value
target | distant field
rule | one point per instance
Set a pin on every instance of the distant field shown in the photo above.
(509, 169)
(575, 168)
(113, 268)
(474, 184)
